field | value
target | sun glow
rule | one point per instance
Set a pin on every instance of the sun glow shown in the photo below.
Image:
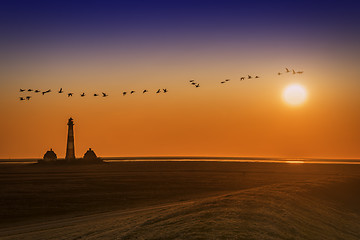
(294, 161)
(294, 94)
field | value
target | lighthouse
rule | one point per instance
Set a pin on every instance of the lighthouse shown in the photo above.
(89, 157)
(70, 148)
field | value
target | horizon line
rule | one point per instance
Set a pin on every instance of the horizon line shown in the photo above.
(196, 158)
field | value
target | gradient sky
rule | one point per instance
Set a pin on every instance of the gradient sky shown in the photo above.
(114, 46)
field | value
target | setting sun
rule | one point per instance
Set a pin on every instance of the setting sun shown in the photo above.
(294, 94)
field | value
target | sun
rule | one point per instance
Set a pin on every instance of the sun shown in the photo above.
(294, 94)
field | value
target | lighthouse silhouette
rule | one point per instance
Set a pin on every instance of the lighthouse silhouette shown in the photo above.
(70, 148)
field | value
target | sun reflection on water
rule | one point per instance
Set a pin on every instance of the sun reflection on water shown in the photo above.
(293, 161)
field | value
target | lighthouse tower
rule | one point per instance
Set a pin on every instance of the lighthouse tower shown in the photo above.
(70, 148)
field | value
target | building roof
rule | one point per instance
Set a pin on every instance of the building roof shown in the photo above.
(50, 155)
(90, 154)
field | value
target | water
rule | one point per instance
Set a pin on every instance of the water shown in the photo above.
(286, 161)
(207, 159)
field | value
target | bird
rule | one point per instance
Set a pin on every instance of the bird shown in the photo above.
(145, 91)
(132, 92)
(197, 85)
(222, 82)
(60, 91)
(124, 93)
(47, 91)
(95, 95)
(293, 71)
(37, 91)
(82, 95)
(22, 90)
(279, 73)
(300, 72)
(165, 90)
(158, 91)
(287, 70)
(226, 80)
(70, 94)
(249, 77)
(104, 94)
(191, 80)
(22, 99)
(242, 78)
(29, 90)
(256, 76)
(28, 97)
(193, 83)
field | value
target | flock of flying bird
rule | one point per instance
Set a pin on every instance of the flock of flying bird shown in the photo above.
(192, 82)
(293, 71)
(164, 90)
(241, 79)
(70, 94)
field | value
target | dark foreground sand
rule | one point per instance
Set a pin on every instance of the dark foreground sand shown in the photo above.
(181, 200)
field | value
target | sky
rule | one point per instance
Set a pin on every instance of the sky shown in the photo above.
(117, 46)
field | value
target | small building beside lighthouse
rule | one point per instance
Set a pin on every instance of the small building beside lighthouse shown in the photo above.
(50, 156)
(90, 155)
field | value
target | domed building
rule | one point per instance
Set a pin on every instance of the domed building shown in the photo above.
(90, 155)
(50, 156)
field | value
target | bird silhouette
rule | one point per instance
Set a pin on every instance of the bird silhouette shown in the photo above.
(300, 72)
(197, 85)
(279, 73)
(293, 71)
(47, 91)
(104, 94)
(165, 90)
(28, 97)
(249, 77)
(191, 80)
(60, 91)
(222, 82)
(95, 95)
(256, 76)
(22, 99)
(37, 91)
(70, 94)
(193, 83)
(29, 90)
(82, 95)
(22, 90)
(132, 92)
(145, 91)
(124, 93)
(287, 70)
(242, 78)
(158, 91)
(226, 80)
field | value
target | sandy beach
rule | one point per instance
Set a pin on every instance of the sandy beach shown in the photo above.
(181, 200)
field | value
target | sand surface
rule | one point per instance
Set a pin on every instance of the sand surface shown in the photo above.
(181, 201)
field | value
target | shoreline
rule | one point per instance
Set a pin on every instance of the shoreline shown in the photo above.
(199, 159)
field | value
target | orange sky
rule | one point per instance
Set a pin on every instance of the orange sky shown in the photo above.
(237, 119)
(118, 46)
